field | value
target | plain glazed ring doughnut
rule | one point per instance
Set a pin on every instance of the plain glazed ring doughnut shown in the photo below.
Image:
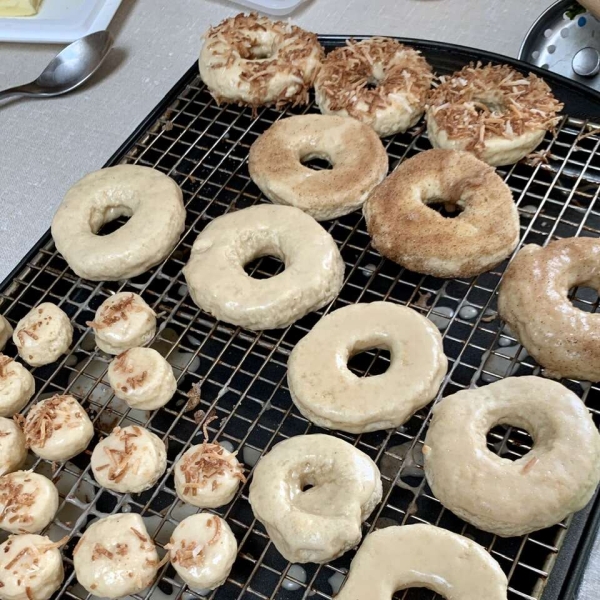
(313, 275)
(13, 450)
(493, 111)
(251, 60)
(312, 493)
(359, 162)
(6, 331)
(17, 386)
(123, 321)
(327, 393)
(397, 558)
(404, 229)
(556, 478)
(115, 557)
(534, 301)
(43, 334)
(377, 81)
(202, 550)
(152, 200)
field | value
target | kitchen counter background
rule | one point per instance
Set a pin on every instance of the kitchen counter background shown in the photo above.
(47, 145)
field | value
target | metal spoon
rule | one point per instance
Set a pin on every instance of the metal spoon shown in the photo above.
(68, 69)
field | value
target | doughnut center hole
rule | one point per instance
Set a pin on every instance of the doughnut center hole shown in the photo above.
(258, 52)
(112, 220)
(370, 361)
(306, 486)
(316, 162)
(584, 298)
(264, 267)
(491, 104)
(416, 593)
(509, 442)
(448, 210)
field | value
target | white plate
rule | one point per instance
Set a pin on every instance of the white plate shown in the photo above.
(59, 21)
(274, 7)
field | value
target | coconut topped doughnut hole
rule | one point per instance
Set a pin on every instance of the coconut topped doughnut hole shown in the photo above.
(13, 450)
(6, 331)
(16, 386)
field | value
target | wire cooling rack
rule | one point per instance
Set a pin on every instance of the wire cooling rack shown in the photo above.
(242, 374)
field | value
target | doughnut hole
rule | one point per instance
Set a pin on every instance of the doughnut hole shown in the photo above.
(448, 210)
(370, 361)
(315, 490)
(489, 103)
(259, 47)
(107, 221)
(260, 255)
(509, 442)
(585, 297)
(317, 161)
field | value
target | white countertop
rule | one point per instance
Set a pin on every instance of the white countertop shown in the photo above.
(48, 144)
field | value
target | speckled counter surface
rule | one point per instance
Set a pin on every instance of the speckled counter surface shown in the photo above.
(49, 144)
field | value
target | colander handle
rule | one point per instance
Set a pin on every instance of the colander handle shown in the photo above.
(592, 5)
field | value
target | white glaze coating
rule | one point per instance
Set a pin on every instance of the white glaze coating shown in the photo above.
(397, 558)
(152, 200)
(6, 331)
(323, 522)
(13, 451)
(28, 502)
(219, 285)
(202, 550)
(43, 334)
(116, 557)
(123, 321)
(130, 460)
(330, 395)
(142, 378)
(17, 386)
(556, 478)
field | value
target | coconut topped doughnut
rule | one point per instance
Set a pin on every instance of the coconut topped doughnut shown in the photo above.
(378, 81)
(252, 60)
(31, 567)
(493, 111)
(16, 386)
(43, 334)
(13, 450)
(130, 459)
(123, 321)
(57, 428)
(6, 331)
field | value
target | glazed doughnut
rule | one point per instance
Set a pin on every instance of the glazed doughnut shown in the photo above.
(129, 460)
(493, 111)
(6, 331)
(152, 200)
(57, 428)
(31, 567)
(509, 498)
(28, 502)
(142, 378)
(17, 386)
(251, 60)
(356, 154)
(320, 523)
(534, 301)
(208, 475)
(404, 229)
(43, 334)
(13, 450)
(377, 81)
(115, 557)
(203, 550)
(313, 275)
(397, 558)
(327, 393)
(123, 321)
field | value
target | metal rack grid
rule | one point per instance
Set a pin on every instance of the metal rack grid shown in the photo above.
(242, 374)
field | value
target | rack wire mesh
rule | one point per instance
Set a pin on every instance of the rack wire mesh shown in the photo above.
(242, 374)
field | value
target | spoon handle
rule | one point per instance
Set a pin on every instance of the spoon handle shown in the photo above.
(19, 90)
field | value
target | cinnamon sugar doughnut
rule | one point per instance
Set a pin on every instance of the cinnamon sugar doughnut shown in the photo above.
(493, 111)
(404, 229)
(378, 81)
(252, 60)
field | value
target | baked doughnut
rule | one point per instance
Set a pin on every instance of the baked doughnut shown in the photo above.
(493, 111)
(359, 162)
(13, 450)
(556, 478)
(115, 557)
(142, 378)
(251, 60)
(320, 523)
(202, 550)
(31, 567)
(57, 428)
(28, 502)
(404, 229)
(378, 81)
(43, 334)
(313, 275)
(123, 321)
(6, 331)
(534, 301)
(327, 393)
(16, 386)
(152, 200)
(129, 460)
(208, 475)
(397, 558)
